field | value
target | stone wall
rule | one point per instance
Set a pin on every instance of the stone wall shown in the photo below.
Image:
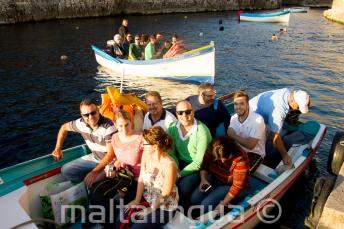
(336, 13)
(312, 3)
(13, 11)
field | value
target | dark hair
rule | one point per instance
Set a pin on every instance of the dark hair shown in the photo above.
(87, 102)
(239, 94)
(153, 94)
(205, 86)
(157, 136)
(222, 147)
(175, 36)
(123, 114)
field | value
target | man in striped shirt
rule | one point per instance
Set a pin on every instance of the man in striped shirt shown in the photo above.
(96, 131)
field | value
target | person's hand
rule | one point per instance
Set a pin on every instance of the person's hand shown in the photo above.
(142, 214)
(131, 204)
(287, 160)
(110, 171)
(220, 208)
(57, 154)
(231, 133)
(117, 165)
(203, 182)
(90, 178)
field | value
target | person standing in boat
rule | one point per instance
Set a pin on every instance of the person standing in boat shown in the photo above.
(247, 128)
(96, 131)
(136, 50)
(211, 114)
(224, 176)
(274, 106)
(123, 29)
(150, 48)
(156, 115)
(190, 138)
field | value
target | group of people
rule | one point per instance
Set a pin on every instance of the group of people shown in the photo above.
(143, 47)
(181, 157)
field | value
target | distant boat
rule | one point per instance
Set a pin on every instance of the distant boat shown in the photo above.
(195, 65)
(282, 17)
(297, 9)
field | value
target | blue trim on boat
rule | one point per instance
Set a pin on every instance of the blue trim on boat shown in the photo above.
(156, 61)
(264, 14)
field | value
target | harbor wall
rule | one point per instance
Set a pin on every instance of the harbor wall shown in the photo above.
(13, 11)
(311, 3)
(336, 13)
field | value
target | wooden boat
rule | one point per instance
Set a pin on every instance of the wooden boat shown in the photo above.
(195, 65)
(21, 184)
(297, 9)
(282, 17)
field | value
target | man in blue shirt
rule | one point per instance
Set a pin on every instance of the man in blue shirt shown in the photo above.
(274, 106)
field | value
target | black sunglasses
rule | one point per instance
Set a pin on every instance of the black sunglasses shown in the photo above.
(187, 112)
(88, 114)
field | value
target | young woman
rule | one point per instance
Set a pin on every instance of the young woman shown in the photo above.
(156, 183)
(224, 176)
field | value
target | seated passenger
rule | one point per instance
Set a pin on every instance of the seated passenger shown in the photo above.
(127, 42)
(159, 44)
(136, 50)
(96, 131)
(156, 115)
(224, 176)
(156, 183)
(274, 106)
(118, 49)
(178, 47)
(247, 128)
(190, 138)
(144, 40)
(150, 48)
(211, 114)
(160, 53)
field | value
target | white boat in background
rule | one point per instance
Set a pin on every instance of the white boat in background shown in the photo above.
(195, 65)
(297, 9)
(279, 17)
(21, 184)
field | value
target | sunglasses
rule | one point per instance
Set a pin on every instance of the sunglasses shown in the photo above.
(89, 114)
(187, 112)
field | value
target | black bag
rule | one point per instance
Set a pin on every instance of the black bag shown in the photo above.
(115, 187)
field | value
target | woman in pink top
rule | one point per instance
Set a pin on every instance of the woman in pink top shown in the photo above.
(127, 145)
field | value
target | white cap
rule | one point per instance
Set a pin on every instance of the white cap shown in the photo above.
(302, 100)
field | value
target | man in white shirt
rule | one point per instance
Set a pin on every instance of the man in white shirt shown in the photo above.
(156, 115)
(247, 128)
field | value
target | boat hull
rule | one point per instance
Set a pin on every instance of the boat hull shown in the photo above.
(196, 65)
(270, 18)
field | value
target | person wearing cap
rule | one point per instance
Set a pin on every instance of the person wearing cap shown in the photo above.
(274, 106)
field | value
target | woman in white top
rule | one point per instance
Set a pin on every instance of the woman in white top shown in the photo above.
(156, 183)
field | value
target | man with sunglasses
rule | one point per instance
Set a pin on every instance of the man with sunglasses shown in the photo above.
(136, 50)
(96, 131)
(190, 139)
(209, 110)
(274, 106)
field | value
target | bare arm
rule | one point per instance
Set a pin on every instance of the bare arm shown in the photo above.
(248, 143)
(279, 145)
(61, 136)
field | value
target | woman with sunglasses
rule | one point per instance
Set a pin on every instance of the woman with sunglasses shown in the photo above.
(191, 138)
(224, 176)
(157, 179)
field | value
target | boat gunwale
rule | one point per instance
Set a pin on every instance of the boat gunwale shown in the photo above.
(266, 15)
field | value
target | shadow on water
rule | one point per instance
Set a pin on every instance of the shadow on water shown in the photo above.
(39, 91)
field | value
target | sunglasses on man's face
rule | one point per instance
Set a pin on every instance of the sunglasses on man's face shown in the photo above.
(187, 112)
(89, 114)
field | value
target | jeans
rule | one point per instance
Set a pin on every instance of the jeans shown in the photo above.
(210, 199)
(77, 169)
(186, 185)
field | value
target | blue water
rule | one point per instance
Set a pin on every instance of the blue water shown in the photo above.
(39, 92)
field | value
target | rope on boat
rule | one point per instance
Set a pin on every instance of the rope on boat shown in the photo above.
(38, 220)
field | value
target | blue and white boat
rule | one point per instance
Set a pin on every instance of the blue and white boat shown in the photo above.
(297, 9)
(195, 65)
(279, 17)
(21, 184)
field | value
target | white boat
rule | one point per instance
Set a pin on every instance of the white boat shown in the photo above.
(195, 65)
(21, 184)
(279, 17)
(297, 9)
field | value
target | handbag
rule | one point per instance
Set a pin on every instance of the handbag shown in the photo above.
(112, 187)
(125, 224)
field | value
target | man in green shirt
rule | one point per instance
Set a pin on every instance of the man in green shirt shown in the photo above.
(150, 48)
(136, 50)
(190, 138)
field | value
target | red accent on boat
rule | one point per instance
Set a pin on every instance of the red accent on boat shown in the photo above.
(42, 176)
